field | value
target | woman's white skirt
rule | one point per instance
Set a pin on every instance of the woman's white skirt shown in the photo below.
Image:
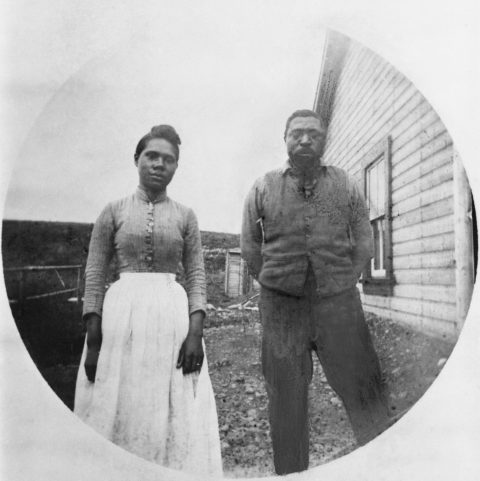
(140, 400)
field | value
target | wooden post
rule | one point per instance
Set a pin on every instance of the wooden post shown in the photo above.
(227, 270)
(464, 258)
(21, 292)
(79, 280)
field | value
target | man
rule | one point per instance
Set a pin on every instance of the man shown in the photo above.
(306, 237)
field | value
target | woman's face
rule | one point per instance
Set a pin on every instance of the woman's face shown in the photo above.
(157, 165)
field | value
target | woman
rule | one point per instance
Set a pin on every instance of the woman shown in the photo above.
(145, 384)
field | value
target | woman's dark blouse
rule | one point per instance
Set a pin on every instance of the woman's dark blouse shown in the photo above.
(146, 236)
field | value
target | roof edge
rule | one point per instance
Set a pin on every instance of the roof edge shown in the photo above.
(334, 51)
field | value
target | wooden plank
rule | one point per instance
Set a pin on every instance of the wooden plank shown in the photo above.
(424, 260)
(50, 294)
(354, 133)
(444, 242)
(408, 114)
(423, 167)
(464, 243)
(421, 214)
(425, 229)
(41, 268)
(361, 94)
(435, 277)
(434, 327)
(418, 165)
(419, 123)
(371, 130)
(353, 58)
(402, 162)
(415, 147)
(357, 64)
(372, 127)
(432, 179)
(349, 90)
(437, 310)
(430, 293)
(422, 199)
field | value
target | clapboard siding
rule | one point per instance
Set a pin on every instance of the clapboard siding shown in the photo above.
(426, 182)
(418, 261)
(439, 310)
(421, 167)
(422, 199)
(373, 100)
(434, 326)
(431, 293)
(429, 228)
(429, 212)
(441, 277)
(445, 242)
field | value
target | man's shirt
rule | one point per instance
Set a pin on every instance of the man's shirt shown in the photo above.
(289, 225)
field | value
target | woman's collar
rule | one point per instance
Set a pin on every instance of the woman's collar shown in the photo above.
(142, 195)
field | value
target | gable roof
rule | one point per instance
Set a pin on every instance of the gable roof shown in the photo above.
(335, 49)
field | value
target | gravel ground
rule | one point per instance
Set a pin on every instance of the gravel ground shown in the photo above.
(410, 362)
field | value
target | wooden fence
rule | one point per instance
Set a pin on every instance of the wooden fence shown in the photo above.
(26, 270)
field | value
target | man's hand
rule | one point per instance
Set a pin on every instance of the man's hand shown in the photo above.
(191, 354)
(94, 342)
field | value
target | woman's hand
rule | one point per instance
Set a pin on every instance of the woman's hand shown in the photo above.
(191, 353)
(94, 342)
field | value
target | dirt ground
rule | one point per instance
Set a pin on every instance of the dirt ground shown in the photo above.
(410, 362)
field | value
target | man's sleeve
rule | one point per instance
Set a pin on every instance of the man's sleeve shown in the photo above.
(251, 237)
(360, 228)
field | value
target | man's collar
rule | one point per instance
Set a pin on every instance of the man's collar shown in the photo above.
(289, 167)
(142, 195)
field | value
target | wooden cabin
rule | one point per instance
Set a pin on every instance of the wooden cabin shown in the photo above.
(237, 280)
(390, 139)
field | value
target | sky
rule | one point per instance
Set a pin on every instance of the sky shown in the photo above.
(83, 91)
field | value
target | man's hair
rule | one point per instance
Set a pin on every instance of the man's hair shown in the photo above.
(302, 113)
(164, 131)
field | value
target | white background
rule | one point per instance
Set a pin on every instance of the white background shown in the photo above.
(436, 45)
(86, 80)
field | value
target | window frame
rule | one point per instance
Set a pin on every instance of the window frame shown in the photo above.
(380, 282)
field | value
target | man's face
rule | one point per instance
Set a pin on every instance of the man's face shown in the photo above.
(305, 140)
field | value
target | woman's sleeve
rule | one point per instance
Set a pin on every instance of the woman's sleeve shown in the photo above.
(193, 265)
(100, 254)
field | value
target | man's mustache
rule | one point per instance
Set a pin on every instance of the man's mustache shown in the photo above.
(305, 150)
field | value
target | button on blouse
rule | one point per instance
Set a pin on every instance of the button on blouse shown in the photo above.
(145, 236)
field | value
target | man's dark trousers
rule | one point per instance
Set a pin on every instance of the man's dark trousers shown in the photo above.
(334, 327)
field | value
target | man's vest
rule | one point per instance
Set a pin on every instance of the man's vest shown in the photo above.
(301, 230)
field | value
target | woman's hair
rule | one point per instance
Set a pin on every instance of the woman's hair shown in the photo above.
(166, 132)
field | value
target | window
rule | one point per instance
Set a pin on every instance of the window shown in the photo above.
(375, 196)
(377, 278)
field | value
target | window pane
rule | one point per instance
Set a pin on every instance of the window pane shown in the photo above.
(381, 187)
(378, 227)
(376, 189)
